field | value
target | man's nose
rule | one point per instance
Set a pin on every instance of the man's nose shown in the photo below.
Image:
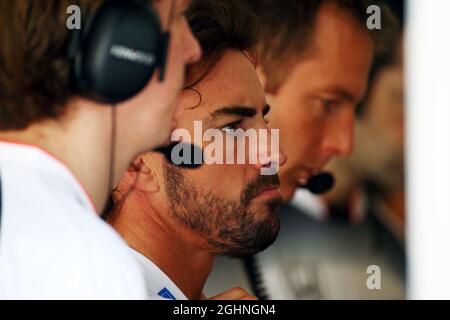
(270, 153)
(339, 141)
(193, 50)
(282, 157)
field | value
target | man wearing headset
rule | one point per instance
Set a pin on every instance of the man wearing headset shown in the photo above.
(75, 108)
(176, 220)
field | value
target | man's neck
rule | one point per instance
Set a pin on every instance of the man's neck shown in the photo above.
(80, 143)
(185, 262)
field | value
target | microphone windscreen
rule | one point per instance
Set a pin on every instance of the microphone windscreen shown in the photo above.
(194, 158)
(321, 183)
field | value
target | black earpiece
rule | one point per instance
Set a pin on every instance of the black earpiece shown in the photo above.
(320, 183)
(117, 51)
(194, 152)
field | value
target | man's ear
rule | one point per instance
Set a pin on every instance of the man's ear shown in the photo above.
(140, 175)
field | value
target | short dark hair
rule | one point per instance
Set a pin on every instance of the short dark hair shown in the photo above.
(220, 25)
(288, 28)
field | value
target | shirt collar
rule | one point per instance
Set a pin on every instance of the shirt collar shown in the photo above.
(156, 281)
(39, 160)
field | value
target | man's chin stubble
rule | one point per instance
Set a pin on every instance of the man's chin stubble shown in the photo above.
(256, 237)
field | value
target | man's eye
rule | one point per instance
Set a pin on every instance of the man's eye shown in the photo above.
(231, 126)
(329, 105)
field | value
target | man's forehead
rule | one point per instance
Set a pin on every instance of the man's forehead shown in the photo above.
(214, 108)
(341, 75)
(233, 81)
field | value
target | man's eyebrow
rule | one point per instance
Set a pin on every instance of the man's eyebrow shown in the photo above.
(242, 111)
(344, 94)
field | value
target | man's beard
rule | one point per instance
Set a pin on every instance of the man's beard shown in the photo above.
(231, 227)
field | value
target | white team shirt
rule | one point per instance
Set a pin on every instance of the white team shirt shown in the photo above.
(52, 243)
(156, 281)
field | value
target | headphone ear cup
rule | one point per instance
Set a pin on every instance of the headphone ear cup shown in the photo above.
(118, 52)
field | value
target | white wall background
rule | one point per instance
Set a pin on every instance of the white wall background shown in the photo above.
(428, 149)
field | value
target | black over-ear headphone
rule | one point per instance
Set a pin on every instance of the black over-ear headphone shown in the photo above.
(116, 52)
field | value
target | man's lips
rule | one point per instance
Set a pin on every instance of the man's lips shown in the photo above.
(271, 191)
